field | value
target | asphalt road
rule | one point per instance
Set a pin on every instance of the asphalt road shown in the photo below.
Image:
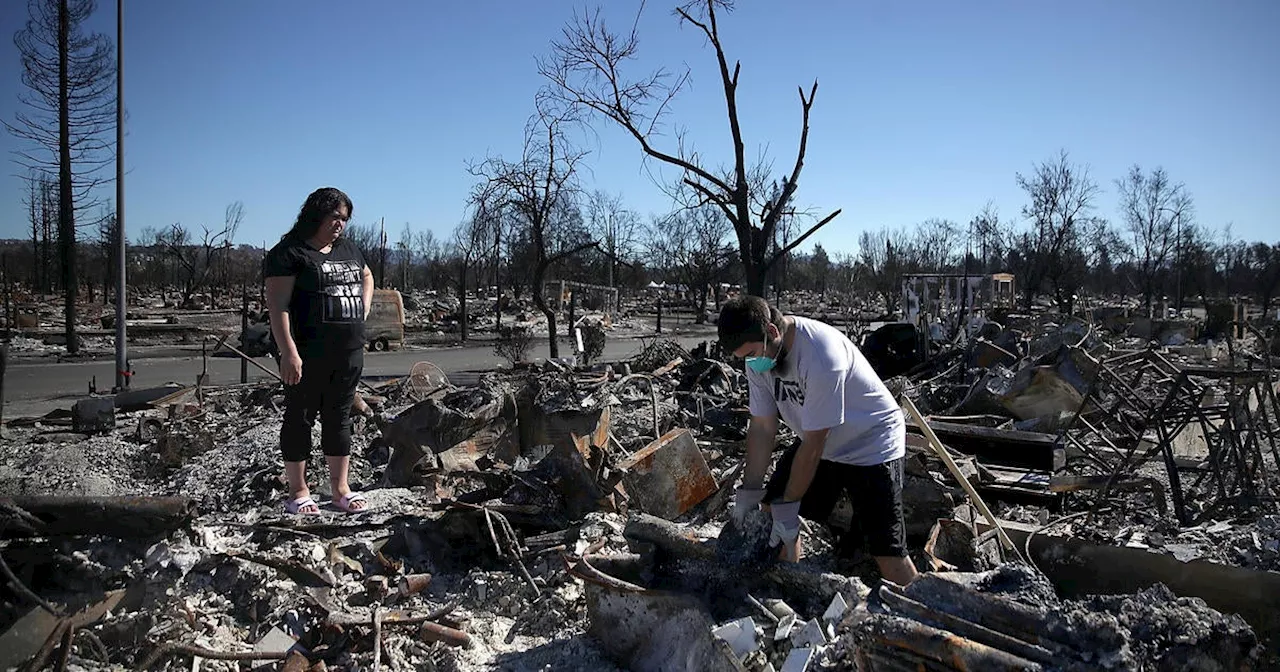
(34, 388)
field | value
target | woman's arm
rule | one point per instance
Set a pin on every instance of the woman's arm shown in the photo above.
(279, 293)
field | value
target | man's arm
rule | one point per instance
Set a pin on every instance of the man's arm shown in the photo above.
(762, 435)
(805, 464)
(366, 290)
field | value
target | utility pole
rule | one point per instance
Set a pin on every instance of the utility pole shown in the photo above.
(1178, 288)
(382, 255)
(122, 348)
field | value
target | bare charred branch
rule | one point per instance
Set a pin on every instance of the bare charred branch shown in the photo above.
(585, 71)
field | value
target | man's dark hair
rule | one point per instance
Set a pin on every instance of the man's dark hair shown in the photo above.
(743, 320)
(320, 204)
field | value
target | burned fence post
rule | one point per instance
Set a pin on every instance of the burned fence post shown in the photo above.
(4, 365)
(244, 330)
(573, 302)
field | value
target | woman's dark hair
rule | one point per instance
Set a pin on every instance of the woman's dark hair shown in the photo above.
(320, 204)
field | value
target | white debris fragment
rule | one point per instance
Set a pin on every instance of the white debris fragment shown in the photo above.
(740, 635)
(275, 640)
(836, 611)
(779, 608)
(164, 556)
(785, 625)
(798, 660)
(810, 635)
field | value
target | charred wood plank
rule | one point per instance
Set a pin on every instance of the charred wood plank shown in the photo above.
(965, 628)
(1016, 448)
(122, 517)
(913, 639)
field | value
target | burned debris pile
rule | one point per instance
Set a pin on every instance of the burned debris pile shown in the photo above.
(1011, 619)
(1083, 500)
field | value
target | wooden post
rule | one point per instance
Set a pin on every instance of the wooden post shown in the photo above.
(573, 301)
(8, 301)
(204, 370)
(4, 364)
(244, 329)
(659, 312)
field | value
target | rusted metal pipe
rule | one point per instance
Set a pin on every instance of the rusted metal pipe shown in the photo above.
(434, 632)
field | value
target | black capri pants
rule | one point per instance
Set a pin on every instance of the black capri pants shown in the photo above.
(327, 389)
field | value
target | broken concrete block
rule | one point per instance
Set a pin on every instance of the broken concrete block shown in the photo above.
(669, 476)
(274, 641)
(94, 414)
(740, 635)
(798, 660)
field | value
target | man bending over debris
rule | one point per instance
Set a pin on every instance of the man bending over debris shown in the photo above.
(853, 432)
(318, 293)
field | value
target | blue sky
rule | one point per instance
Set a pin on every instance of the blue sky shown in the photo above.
(925, 108)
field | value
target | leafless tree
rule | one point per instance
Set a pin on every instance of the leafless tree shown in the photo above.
(585, 69)
(540, 190)
(991, 237)
(430, 252)
(1050, 254)
(616, 227)
(934, 245)
(844, 275)
(404, 254)
(692, 246)
(367, 238)
(468, 246)
(1153, 208)
(67, 114)
(881, 264)
(108, 234)
(821, 264)
(1105, 253)
(41, 200)
(1264, 261)
(196, 259)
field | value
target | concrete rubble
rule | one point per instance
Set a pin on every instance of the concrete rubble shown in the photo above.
(566, 517)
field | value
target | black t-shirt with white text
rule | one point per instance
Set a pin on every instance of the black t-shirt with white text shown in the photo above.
(326, 311)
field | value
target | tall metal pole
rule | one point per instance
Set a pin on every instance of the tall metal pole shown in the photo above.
(122, 348)
(1179, 278)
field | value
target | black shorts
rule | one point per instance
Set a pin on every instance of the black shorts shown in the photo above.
(875, 492)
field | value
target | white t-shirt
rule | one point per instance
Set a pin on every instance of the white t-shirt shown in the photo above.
(829, 384)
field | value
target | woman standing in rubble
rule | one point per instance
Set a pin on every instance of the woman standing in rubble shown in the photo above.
(318, 291)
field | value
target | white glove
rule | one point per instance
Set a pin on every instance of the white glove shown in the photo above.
(786, 523)
(744, 500)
